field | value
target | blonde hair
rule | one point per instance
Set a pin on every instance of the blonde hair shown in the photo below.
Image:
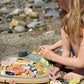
(72, 21)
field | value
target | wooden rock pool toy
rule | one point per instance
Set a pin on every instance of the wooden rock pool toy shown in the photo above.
(22, 70)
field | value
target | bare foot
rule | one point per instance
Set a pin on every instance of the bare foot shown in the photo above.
(77, 73)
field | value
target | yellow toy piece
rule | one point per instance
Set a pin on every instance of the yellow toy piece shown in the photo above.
(47, 63)
(23, 74)
(34, 52)
(39, 53)
(42, 60)
(74, 81)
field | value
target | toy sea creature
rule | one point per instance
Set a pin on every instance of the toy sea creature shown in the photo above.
(5, 63)
(52, 75)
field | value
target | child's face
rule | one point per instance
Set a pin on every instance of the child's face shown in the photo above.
(63, 4)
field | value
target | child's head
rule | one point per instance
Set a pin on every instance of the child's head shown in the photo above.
(73, 19)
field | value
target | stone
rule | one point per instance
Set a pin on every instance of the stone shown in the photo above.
(33, 14)
(21, 17)
(9, 16)
(42, 29)
(29, 5)
(16, 22)
(19, 29)
(27, 10)
(38, 3)
(35, 25)
(2, 29)
(4, 32)
(4, 11)
(48, 15)
(31, 1)
(16, 11)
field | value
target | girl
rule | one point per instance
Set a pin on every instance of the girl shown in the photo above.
(72, 34)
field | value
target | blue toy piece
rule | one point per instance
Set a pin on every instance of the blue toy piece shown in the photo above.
(9, 73)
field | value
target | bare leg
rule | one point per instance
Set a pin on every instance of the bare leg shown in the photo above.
(77, 73)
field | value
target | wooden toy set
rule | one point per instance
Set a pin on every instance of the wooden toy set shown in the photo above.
(22, 70)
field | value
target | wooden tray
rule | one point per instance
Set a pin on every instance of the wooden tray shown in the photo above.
(39, 79)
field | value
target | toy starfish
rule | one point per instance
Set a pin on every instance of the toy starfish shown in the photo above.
(30, 72)
(53, 72)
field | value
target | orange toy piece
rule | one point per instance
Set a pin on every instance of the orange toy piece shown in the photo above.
(9, 68)
(17, 73)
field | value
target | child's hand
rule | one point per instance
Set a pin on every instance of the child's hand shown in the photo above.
(46, 52)
(47, 46)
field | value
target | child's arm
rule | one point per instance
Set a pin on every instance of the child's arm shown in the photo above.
(53, 46)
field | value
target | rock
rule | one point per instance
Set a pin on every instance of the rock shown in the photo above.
(9, 19)
(16, 22)
(42, 28)
(21, 17)
(3, 21)
(4, 11)
(2, 28)
(16, 11)
(29, 5)
(31, 1)
(48, 15)
(6, 1)
(4, 32)
(57, 7)
(38, 3)
(47, 8)
(36, 20)
(27, 10)
(33, 14)
(9, 16)
(18, 29)
(35, 25)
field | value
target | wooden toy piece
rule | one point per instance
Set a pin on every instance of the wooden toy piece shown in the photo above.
(34, 52)
(74, 81)
(44, 62)
(5, 63)
(39, 53)
(53, 72)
